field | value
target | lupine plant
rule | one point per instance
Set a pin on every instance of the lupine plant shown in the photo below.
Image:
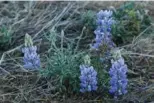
(103, 36)
(62, 63)
(88, 19)
(5, 38)
(118, 81)
(31, 58)
(88, 77)
(103, 40)
(132, 19)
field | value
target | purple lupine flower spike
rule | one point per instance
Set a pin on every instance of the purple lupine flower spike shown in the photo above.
(31, 58)
(106, 13)
(118, 76)
(88, 79)
(103, 36)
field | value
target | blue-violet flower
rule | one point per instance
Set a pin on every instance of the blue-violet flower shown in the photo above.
(88, 79)
(118, 76)
(31, 58)
(103, 36)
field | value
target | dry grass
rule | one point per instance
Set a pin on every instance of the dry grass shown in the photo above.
(17, 85)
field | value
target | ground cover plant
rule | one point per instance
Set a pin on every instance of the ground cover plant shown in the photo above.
(76, 52)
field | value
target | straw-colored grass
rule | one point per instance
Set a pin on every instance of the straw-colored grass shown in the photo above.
(17, 85)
